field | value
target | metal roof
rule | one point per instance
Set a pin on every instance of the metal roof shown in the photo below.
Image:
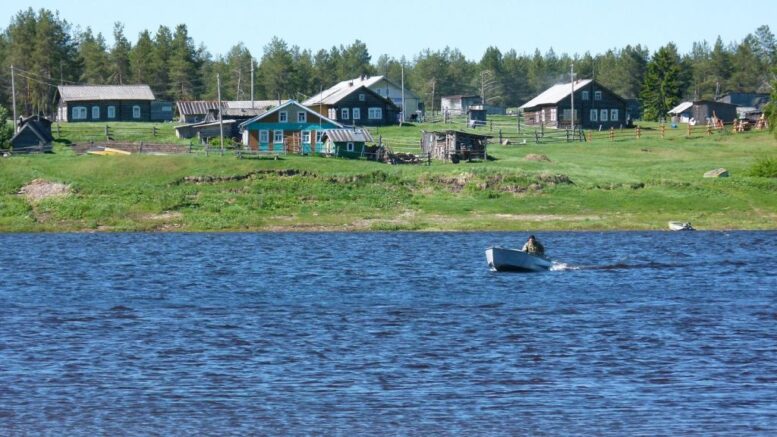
(555, 94)
(334, 94)
(682, 107)
(74, 93)
(230, 107)
(345, 135)
(197, 107)
(288, 103)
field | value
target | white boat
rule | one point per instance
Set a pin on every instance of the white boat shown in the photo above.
(501, 259)
(680, 226)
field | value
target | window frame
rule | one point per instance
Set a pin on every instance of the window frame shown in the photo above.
(136, 112)
(302, 117)
(350, 147)
(362, 97)
(319, 136)
(594, 114)
(614, 114)
(283, 116)
(597, 95)
(79, 112)
(603, 115)
(585, 95)
(111, 112)
(375, 113)
(275, 134)
(305, 133)
(553, 114)
(345, 113)
(95, 112)
(356, 114)
(264, 136)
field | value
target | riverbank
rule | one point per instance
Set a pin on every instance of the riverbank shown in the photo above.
(633, 184)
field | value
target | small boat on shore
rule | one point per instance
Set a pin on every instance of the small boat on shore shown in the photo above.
(680, 226)
(501, 259)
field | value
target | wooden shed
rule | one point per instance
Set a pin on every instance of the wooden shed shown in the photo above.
(346, 143)
(34, 135)
(454, 145)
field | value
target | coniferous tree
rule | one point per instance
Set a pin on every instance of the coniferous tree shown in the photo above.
(140, 59)
(182, 65)
(663, 86)
(119, 56)
(277, 70)
(94, 57)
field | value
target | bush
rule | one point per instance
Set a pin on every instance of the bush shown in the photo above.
(765, 167)
(6, 129)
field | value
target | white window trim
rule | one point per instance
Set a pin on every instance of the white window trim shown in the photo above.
(585, 95)
(283, 117)
(136, 112)
(614, 115)
(302, 117)
(362, 97)
(553, 114)
(79, 113)
(356, 114)
(597, 95)
(345, 114)
(594, 115)
(275, 134)
(111, 112)
(305, 133)
(350, 147)
(319, 135)
(95, 112)
(264, 136)
(375, 113)
(603, 115)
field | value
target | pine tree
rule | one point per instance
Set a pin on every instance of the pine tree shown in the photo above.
(663, 84)
(277, 70)
(94, 57)
(119, 56)
(140, 59)
(182, 65)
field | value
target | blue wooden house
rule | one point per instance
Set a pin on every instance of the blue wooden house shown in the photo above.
(288, 128)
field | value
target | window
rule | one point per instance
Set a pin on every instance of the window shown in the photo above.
(349, 147)
(167, 108)
(264, 136)
(362, 97)
(283, 117)
(319, 134)
(79, 113)
(277, 136)
(111, 112)
(305, 137)
(603, 115)
(375, 113)
(585, 95)
(567, 114)
(597, 95)
(553, 114)
(344, 114)
(95, 112)
(356, 113)
(332, 113)
(613, 115)
(594, 115)
(136, 111)
(302, 117)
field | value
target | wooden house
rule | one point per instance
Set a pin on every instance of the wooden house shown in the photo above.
(346, 143)
(595, 107)
(458, 104)
(110, 103)
(288, 128)
(702, 111)
(33, 135)
(196, 111)
(356, 105)
(454, 145)
(411, 106)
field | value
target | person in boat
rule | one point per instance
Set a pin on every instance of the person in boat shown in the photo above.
(534, 247)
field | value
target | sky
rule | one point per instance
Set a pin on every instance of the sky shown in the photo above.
(406, 27)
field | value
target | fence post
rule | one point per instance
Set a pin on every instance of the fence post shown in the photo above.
(107, 134)
(663, 130)
(59, 133)
(590, 136)
(153, 130)
(639, 132)
(500, 136)
(492, 126)
(709, 129)
(141, 148)
(689, 129)
(428, 158)
(190, 146)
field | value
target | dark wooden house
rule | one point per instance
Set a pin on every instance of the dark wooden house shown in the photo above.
(106, 103)
(354, 105)
(33, 135)
(454, 145)
(595, 107)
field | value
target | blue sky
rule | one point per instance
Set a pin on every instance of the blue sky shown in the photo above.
(405, 27)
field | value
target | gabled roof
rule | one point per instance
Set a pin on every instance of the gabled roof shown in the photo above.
(682, 107)
(325, 96)
(555, 94)
(345, 135)
(37, 129)
(75, 93)
(286, 105)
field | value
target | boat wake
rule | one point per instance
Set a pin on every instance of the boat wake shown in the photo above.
(562, 267)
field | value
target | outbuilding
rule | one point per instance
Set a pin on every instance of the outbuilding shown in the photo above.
(346, 143)
(34, 135)
(452, 145)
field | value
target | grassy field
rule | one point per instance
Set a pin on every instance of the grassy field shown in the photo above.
(599, 185)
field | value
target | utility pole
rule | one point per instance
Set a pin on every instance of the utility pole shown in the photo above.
(13, 99)
(221, 124)
(572, 96)
(252, 83)
(237, 94)
(434, 82)
(402, 110)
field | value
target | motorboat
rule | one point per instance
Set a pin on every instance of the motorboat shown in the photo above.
(680, 226)
(501, 259)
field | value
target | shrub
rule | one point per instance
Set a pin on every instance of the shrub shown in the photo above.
(765, 167)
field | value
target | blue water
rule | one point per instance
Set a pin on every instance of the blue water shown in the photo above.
(398, 334)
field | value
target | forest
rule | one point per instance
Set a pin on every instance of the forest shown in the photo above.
(46, 50)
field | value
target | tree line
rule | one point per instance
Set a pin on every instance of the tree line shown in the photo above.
(46, 50)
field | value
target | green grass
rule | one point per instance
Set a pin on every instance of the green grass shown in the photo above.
(601, 185)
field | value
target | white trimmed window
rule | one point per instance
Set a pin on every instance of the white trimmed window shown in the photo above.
(264, 136)
(349, 147)
(356, 113)
(597, 95)
(613, 115)
(79, 113)
(362, 97)
(332, 113)
(345, 114)
(302, 117)
(585, 95)
(111, 112)
(567, 114)
(277, 136)
(594, 115)
(553, 114)
(95, 112)
(283, 117)
(603, 115)
(305, 137)
(319, 134)
(136, 111)
(375, 113)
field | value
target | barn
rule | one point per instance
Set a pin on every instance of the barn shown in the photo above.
(34, 135)
(452, 145)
